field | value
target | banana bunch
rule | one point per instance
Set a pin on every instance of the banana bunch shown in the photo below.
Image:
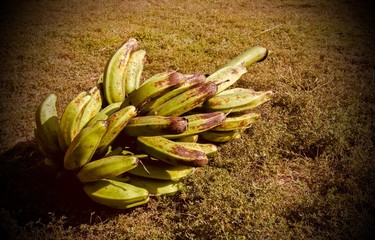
(129, 138)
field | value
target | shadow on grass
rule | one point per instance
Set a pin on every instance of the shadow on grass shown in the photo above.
(32, 192)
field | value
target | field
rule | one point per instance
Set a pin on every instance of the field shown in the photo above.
(304, 171)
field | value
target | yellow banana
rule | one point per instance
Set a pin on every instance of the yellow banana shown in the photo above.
(236, 100)
(248, 57)
(191, 81)
(70, 119)
(116, 123)
(113, 76)
(186, 100)
(237, 122)
(116, 194)
(227, 76)
(220, 137)
(199, 122)
(92, 108)
(171, 152)
(83, 147)
(154, 87)
(156, 169)
(133, 71)
(155, 125)
(47, 124)
(157, 187)
(105, 112)
(106, 167)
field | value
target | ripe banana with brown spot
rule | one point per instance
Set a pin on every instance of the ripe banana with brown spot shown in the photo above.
(157, 187)
(70, 119)
(248, 57)
(47, 125)
(133, 71)
(171, 152)
(82, 148)
(220, 136)
(113, 76)
(116, 194)
(105, 113)
(92, 108)
(156, 169)
(186, 100)
(191, 81)
(107, 167)
(226, 76)
(199, 122)
(154, 87)
(190, 138)
(237, 100)
(238, 122)
(116, 123)
(208, 148)
(155, 125)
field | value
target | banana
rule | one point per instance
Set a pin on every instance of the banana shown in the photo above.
(157, 187)
(92, 108)
(236, 100)
(191, 81)
(186, 101)
(237, 122)
(171, 152)
(116, 123)
(107, 167)
(83, 147)
(154, 87)
(208, 148)
(113, 76)
(226, 76)
(70, 119)
(220, 137)
(199, 122)
(248, 57)
(155, 125)
(46, 151)
(47, 124)
(190, 138)
(133, 70)
(116, 194)
(104, 113)
(156, 169)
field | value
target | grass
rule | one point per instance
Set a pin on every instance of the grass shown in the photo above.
(305, 171)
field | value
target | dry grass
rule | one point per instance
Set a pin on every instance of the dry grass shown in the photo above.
(304, 172)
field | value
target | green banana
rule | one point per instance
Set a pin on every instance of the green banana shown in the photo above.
(113, 76)
(220, 137)
(105, 112)
(236, 100)
(248, 57)
(116, 123)
(199, 122)
(45, 150)
(156, 169)
(190, 138)
(83, 147)
(116, 194)
(191, 81)
(133, 71)
(154, 87)
(47, 124)
(155, 125)
(70, 119)
(208, 148)
(106, 167)
(171, 152)
(92, 108)
(237, 122)
(157, 187)
(227, 76)
(186, 101)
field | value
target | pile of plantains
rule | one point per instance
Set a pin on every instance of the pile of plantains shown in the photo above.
(128, 138)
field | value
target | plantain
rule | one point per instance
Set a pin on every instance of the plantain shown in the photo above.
(105, 113)
(248, 57)
(220, 136)
(157, 187)
(92, 108)
(226, 76)
(133, 71)
(238, 122)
